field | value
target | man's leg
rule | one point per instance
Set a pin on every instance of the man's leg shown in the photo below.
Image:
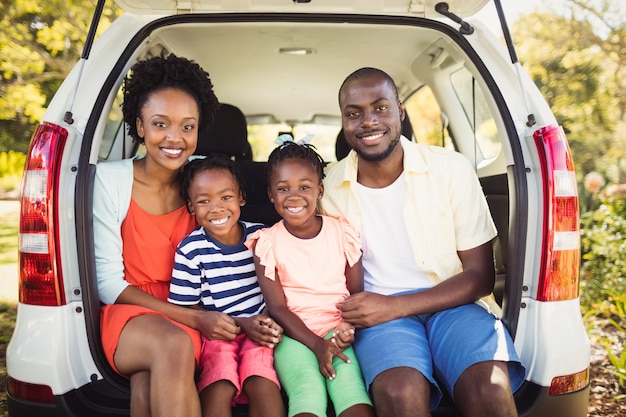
(473, 355)
(401, 392)
(484, 390)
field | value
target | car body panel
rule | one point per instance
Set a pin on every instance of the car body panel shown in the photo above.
(422, 8)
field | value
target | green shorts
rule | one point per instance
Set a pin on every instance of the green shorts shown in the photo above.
(308, 391)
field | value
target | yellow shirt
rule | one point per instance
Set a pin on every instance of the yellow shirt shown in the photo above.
(445, 210)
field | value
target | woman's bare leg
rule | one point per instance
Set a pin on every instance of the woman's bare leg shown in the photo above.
(151, 343)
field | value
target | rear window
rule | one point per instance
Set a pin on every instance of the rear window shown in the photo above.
(262, 136)
(477, 112)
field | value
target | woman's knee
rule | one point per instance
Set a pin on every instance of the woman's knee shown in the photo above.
(150, 339)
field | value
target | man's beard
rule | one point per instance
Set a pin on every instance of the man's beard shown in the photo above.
(379, 156)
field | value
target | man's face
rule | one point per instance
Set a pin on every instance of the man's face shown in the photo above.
(372, 117)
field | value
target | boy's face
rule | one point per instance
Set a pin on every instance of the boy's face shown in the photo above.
(215, 199)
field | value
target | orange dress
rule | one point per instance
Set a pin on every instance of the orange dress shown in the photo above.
(149, 245)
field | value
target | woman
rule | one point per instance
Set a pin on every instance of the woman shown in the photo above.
(139, 218)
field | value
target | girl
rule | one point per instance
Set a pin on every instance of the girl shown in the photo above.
(214, 271)
(306, 264)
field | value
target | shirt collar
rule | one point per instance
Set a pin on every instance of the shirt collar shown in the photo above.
(413, 161)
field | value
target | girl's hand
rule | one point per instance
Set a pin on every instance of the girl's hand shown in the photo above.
(343, 336)
(261, 329)
(325, 350)
(217, 326)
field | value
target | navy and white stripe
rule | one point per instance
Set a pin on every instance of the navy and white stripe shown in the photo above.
(215, 276)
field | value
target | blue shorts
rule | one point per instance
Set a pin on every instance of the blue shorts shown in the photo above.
(440, 346)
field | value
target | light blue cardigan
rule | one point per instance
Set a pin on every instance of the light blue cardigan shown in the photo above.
(111, 198)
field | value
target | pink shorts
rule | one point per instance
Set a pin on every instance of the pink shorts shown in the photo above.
(235, 361)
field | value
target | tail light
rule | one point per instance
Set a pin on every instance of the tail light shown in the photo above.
(41, 280)
(30, 392)
(560, 254)
(569, 383)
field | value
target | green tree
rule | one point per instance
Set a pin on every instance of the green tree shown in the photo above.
(39, 44)
(608, 18)
(569, 75)
(578, 60)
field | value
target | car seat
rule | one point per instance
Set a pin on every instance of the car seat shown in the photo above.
(227, 135)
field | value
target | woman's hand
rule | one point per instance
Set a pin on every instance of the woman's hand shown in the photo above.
(343, 336)
(261, 329)
(325, 350)
(217, 326)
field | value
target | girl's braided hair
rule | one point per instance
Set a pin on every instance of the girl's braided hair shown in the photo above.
(159, 73)
(212, 161)
(294, 150)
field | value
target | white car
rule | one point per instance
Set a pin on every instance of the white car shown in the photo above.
(278, 65)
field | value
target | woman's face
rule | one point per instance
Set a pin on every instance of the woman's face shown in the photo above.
(169, 127)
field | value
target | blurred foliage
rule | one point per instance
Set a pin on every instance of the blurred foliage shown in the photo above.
(11, 169)
(603, 244)
(39, 44)
(578, 61)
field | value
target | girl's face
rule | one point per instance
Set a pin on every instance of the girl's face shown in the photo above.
(215, 199)
(169, 126)
(295, 189)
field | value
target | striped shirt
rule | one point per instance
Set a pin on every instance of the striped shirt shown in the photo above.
(215, 276)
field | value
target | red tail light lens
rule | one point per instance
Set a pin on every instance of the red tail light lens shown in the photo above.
(41, 281)
(560, 255)
(30, 392)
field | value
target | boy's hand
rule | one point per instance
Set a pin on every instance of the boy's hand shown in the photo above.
(261, 329)
(325, 350)
(343, 336)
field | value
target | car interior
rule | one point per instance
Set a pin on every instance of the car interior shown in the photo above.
(275, 78)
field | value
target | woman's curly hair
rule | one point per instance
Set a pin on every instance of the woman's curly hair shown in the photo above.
(161, 72)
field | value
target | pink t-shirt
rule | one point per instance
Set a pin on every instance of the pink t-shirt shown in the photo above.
(311, 271)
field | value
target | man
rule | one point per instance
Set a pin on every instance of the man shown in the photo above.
(426, 233)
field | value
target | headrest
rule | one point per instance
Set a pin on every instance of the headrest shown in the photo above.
(342, 148)
(228, 135)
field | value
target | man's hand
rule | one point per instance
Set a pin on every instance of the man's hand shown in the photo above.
(366, 309)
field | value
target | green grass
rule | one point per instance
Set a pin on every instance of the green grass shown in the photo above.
(8, 256)
(7, 323)
(8, 237)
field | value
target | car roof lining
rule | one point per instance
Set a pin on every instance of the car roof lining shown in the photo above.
(253, 49)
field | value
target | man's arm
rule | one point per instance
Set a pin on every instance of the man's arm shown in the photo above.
(477, 279)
